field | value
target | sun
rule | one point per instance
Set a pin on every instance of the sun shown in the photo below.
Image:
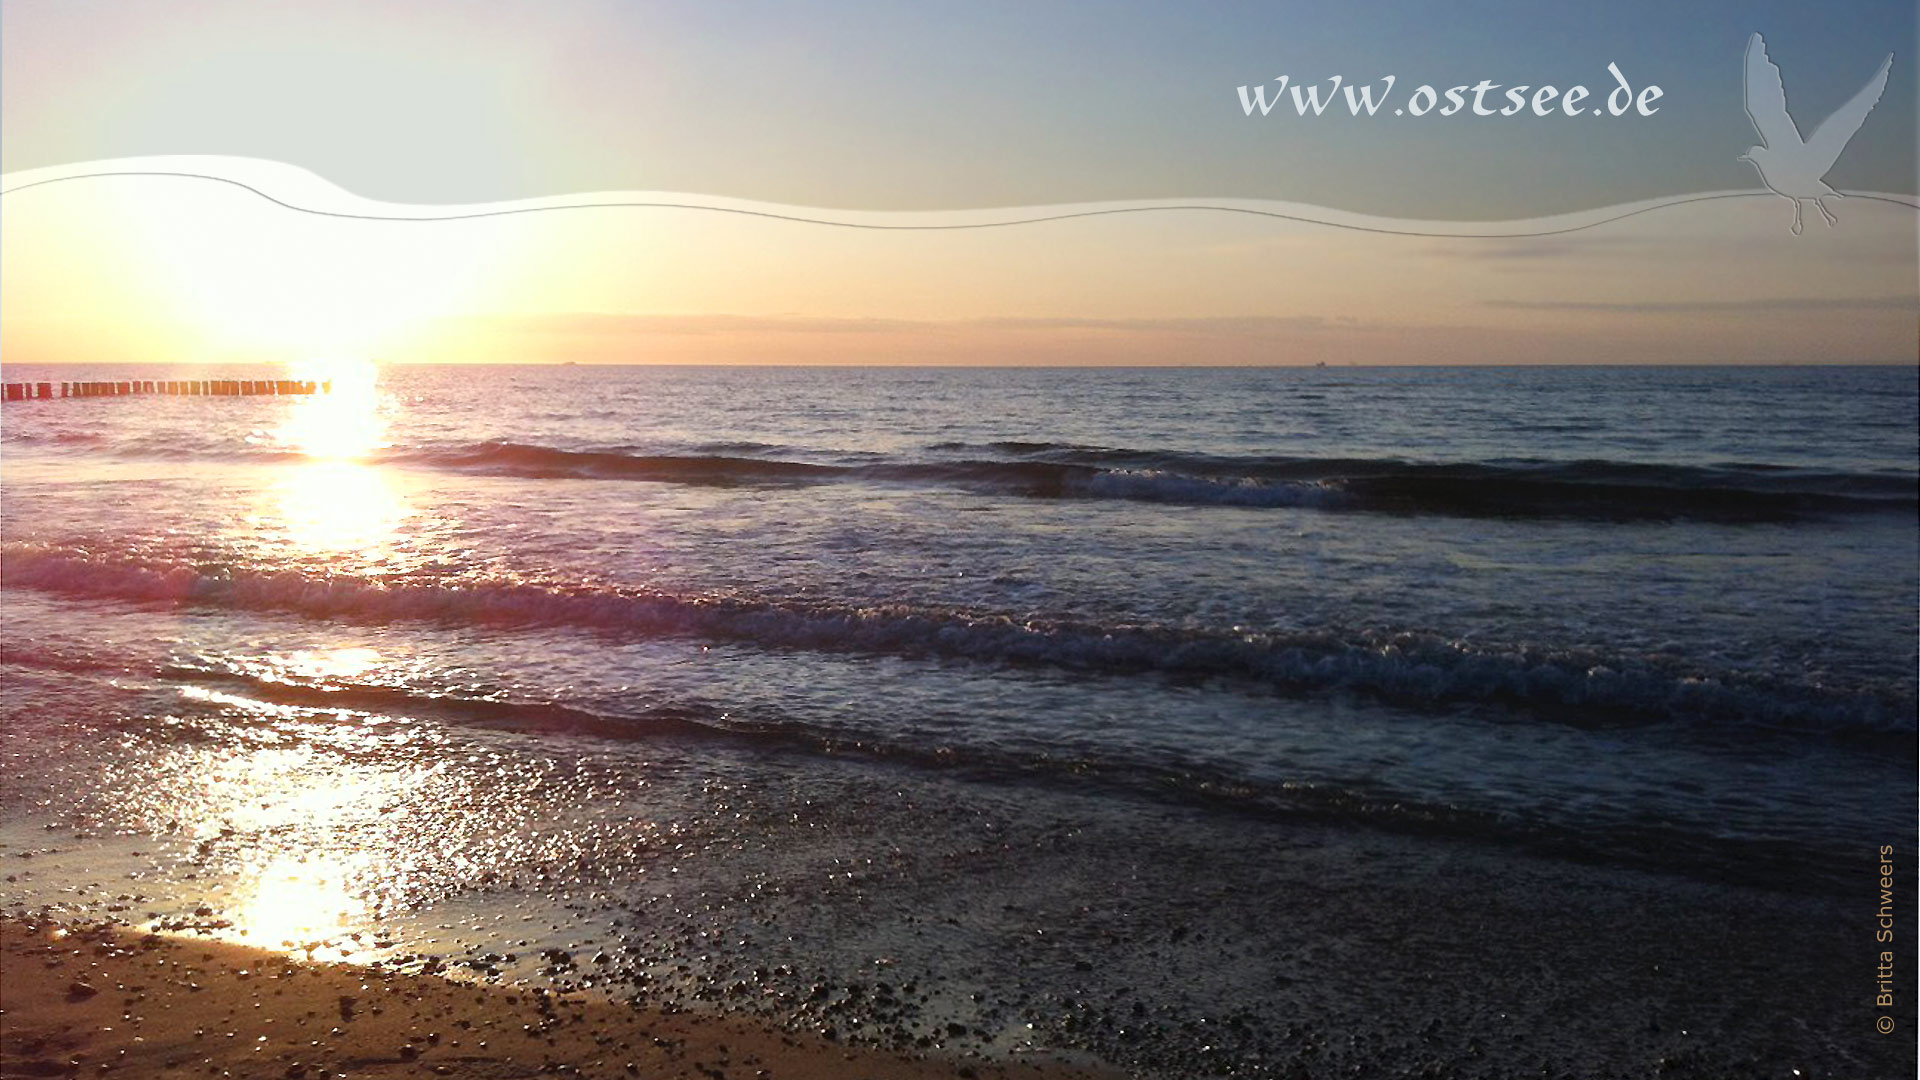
(259, 280)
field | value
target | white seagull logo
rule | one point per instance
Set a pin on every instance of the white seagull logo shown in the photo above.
(1790, 166)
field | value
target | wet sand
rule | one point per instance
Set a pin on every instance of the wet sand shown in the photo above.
(88, 1000)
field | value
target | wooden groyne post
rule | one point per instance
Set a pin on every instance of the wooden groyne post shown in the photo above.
(40, 391)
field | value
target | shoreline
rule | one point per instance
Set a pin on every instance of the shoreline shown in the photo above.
(103, 998)
(1430, 969)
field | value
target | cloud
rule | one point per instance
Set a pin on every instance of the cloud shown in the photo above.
(613, 324)
(1760, 306)
(610, 337)
(1582, 245)
(1220, 324)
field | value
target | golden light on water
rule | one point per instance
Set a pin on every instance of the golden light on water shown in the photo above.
(347, 662)
(338, 508)
(299, 905)
(343, 424)
(334, 501)
(312, 848)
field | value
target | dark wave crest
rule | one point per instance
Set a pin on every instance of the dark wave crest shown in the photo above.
(1600, 490)
(546, 463)
(1585, 490)
(1412, 670)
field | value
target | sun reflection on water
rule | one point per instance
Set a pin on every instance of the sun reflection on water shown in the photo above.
(304, 835)
(344, 424)
(303, 905)
(342, 508)
(336, 501)
(345, 662)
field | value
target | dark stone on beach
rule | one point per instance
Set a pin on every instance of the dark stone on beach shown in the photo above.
(77, 990)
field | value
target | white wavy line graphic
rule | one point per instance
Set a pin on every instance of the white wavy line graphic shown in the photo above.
(304, 192)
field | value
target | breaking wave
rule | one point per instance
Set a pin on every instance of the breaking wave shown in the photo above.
(1422, 671)
(1595, 490)
(1581, 489)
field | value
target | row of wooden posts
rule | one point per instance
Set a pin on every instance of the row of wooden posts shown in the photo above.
(33, 391)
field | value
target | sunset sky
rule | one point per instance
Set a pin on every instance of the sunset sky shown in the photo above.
(873, 108)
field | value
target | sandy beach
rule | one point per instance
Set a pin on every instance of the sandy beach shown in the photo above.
(98, 1000)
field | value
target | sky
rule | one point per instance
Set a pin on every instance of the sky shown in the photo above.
(934, 107)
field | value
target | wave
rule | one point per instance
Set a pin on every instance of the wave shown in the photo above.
(1420, 671)
(56, 438)
(546, 462)
(1165, 779)
(1605, 490)
(1020, 479)
(1597, 490)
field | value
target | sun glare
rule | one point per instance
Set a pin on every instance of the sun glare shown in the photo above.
(344, 423)
(257, 280)
(335, 508)
(345, 662)
(298, 904)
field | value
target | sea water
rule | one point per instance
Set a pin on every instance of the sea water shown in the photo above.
(1127, 711)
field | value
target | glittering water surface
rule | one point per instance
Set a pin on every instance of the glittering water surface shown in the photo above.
(1082, 702)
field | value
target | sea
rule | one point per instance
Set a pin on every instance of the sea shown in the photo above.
(1245, 722)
